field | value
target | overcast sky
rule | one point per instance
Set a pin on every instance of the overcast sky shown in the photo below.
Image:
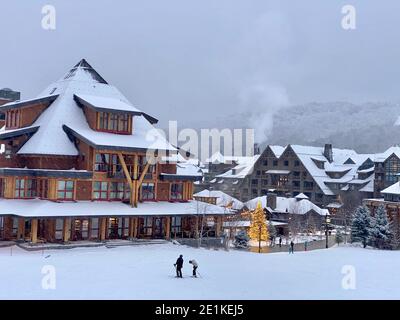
(182, 59)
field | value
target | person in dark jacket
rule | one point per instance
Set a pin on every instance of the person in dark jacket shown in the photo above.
(179, 265)
(291, 248)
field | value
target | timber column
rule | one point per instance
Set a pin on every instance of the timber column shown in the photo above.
(218, 227)
(168, 228)
(103, 223)
(66, 229)
(34, 230)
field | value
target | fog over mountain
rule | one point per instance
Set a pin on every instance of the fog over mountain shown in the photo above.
(368, 127)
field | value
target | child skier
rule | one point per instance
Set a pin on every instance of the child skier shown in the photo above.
(195, 266)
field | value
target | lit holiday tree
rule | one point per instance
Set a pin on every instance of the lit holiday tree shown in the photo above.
(258, 227)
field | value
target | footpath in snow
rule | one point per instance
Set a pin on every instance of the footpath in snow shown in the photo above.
(147, 272)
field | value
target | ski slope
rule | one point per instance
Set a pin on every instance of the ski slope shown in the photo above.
(147, 272)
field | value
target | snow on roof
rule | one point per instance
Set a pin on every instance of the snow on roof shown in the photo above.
(218, 157)
(288, 205)
(247, 223)
(369, 187)
(393, 189)
(381, 157)
(334, 205)
(301, 196)
(277, 150)
(278, 171)
(240, 171)
(366, 170)
(64, 112)
(223, 199)
(107, 103)
(308, 154)
(188, 169)
(45, 208)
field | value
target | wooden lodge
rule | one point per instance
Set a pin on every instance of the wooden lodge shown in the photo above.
(80, 162)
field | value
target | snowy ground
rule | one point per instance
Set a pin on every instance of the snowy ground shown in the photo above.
(147, 272)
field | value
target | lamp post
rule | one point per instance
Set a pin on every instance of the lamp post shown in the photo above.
(327, 221)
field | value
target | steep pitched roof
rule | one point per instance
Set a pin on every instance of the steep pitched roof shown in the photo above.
(64, 114)
(393, 189)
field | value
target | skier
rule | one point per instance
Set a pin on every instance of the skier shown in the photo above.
(291, 248)
(179, 265)
(305, 246)
(195, 266)
(280, 242)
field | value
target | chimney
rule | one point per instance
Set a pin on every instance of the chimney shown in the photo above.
(256, 149)
(271, 200)
(328, 152)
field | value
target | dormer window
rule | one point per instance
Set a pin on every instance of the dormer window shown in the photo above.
(114, 122)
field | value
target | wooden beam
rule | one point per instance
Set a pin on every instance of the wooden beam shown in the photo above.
(66, 229)
(125, 168)
(21, 229)
(135, 166)
(135, 226)
(131, 227)
(103, 224)
(34, 230)
(141, 178)
(168, 228)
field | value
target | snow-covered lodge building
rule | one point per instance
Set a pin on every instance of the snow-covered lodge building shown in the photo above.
(82, 163)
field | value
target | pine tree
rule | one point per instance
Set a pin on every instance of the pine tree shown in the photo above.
(381, 233)
(339, 237)
(258, 227)
(241, 240)
(361, 226)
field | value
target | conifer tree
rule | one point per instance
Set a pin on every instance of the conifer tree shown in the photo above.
(361, 226)
(381, 233)
(258, 227)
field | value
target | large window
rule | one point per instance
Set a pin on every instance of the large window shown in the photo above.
(116, 190)
(65, 190)
(100, 190)
(177, 191)
(104, 162)
(43, 188)
(392, 167)
(113, 122)
(176, 225)
(148, 191)
(112, 191)
(25, 188)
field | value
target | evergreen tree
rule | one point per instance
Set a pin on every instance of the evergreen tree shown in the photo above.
(258, 227)
(361, 226)
(339, 237)
(241, 240)
(381, 233)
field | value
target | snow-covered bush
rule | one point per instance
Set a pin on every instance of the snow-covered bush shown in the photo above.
(241, 240)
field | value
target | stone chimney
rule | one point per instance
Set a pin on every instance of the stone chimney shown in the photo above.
(271, 200)
(256, 149)
(328, 152)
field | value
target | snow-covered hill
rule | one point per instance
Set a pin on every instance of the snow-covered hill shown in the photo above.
(367, 127)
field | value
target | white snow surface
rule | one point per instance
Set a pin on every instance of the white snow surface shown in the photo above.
(147, 272)
(223, 199)
(288, 205)
(45, 208)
